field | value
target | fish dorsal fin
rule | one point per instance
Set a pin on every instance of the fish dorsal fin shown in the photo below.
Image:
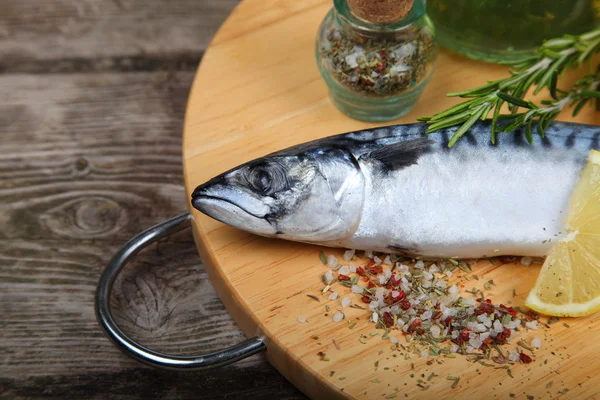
(398, 155)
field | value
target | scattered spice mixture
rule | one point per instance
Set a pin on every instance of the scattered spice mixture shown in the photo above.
(416, 299)
(382, 67)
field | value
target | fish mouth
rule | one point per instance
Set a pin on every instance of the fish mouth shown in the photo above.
(232, 213)
(200, 201)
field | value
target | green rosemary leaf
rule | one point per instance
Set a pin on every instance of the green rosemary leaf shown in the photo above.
(484, 88)
(424, 119)
(558, 43)
(528, 132)
(579, 106)
(540, 126)
(545, 80)
(590, 93)
(513, 100)
(499, 103)
(464, 128)
(452, 110)
(587, 50)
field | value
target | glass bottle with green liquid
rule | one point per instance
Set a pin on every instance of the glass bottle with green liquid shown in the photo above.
(505, 30)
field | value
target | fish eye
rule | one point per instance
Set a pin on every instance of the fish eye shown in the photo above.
(266, 178)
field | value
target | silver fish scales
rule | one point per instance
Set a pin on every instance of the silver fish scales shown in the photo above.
(397, 189)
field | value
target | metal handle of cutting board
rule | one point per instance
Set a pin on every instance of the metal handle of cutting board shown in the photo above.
(136, 350)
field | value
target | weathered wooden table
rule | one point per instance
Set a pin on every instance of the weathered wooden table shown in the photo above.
(93, 94)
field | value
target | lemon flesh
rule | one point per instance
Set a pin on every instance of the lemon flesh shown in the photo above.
(569, 281)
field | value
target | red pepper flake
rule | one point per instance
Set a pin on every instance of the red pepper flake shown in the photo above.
(394, 281)
(436, 315)
(361, 271)
(417, 322)
(366, 279)
(370, 285)
(388, 319)
(405, 305)
(380, 68)
(373, 271)
(365, 299)
(399, 297)
(448, 321)
(525, 358)
(383, 54)
(343, 277)
(464, 335)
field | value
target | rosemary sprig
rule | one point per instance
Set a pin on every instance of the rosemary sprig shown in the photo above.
(539, 71)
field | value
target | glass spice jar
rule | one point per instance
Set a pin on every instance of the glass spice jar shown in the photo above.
(376, 71)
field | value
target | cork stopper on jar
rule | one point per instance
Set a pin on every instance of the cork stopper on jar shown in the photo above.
(380, 11)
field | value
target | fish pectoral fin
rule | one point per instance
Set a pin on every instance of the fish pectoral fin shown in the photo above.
(399, 155)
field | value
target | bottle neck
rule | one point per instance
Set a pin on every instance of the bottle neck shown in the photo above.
(349, 20)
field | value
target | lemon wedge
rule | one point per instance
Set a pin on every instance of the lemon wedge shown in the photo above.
(569, 282)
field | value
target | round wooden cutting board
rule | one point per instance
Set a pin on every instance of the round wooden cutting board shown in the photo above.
(258, 90)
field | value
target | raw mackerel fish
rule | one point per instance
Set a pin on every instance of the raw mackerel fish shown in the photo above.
(398, 190)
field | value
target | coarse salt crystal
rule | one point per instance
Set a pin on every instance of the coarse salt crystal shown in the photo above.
(435, 331)
(348, 254)
(395, 293)
(440, 284)
(344, 270)
(424, 354)
(393, 339)
(382, 279)
(301, 320)
(428, 276)
(388, 273)
(332, 261)
(373, 305)
(387, 260)
(333, 295)
(402, 267)
(353, 268)
(400, 323)
(449, 274)
(328, 277)
(476, 343)
(498, 326)
(346, 302)
(375, 317)
(484, 336)
(469, 349)
(453, 289)
(426, 315)
(531, 324)
(434, 268)
(454, 348)
(357, 289)
(455, 334)
(377, 260)
(419, 264)
(526, 261)
(338, 317)
(426, 284)
(468, 301)
(536, 342)
(513, 356)
(369, 254)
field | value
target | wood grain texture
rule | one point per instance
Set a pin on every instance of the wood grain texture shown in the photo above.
(270, 97)
(89, 35)
(94, 95)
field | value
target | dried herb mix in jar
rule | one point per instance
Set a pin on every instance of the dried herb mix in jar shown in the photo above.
(383, 67)
(376, 57)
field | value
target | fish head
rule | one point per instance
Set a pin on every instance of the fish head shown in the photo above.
(310, 195)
